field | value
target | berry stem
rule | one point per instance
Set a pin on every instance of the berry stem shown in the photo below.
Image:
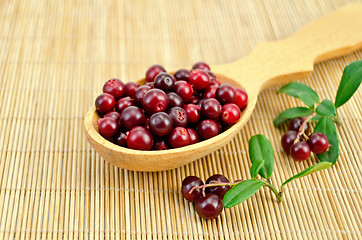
(302, 127)
(215, 184)
(337, 120)
(274, 190)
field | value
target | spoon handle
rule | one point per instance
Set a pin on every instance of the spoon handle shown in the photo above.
(271, 63)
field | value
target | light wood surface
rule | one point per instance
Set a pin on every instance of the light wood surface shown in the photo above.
(268, 64)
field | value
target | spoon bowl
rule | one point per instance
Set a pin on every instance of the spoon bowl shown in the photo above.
(266, 65)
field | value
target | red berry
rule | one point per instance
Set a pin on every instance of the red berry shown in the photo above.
(184, 90)
(207, 129)
(179, 137)
(131, 117)
(218, 190)
(178, 116)
(153, 71)
(164, 81)
(230, 114)
(124, 103)
(107, 127)
(160, 145)
(241, 98)
(194, 99)
(296, 123)
(300, 151)
(187, 184)
(174, 100)
(194, 138)
(209, 207)
(201, 65)
(193, 112)
(140, 92)
(105, 103)
(288, 140)
(318, 143)
(225, 94)
(210, 92)
(182, 74)
(154, 100)
(115, 115)
(211, 108)
(139, 138)
(115, 87)
(160, 124)
(121, 139)
(131, 88)
(199, 79)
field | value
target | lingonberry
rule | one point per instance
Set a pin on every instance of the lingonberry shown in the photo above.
(174, 100)
(225, 94)
(182, 74)
(178, 116)
(154, 100)
(193, 113)
(194, 99)
(121, 139)
(296, 123)
(230, 114)
(199, 79)
(200, 102)
(115, 115)
(241, 98)
(209, 207)
(207, 129)
(153, 71)
(194, 138)
(160, 145)
(124, 103)
(210, 92)
(184, 90)
(179, 137)
(139, 138)
(300, 151)
(187, 184)
(105, 103)
(201, 65)
(318, 142)
(140, 92)
(115, 87)
(213, 79)
(131, 117)
(160, 124)
(164, 81)
(107, 127)
(218, 190)
(211, 108)
(288, 140)
(131, 88)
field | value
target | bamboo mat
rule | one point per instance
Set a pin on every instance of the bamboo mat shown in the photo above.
(54, 59)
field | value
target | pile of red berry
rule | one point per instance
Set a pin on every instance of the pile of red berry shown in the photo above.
(207, 198)
(169, 111)
(300, 148)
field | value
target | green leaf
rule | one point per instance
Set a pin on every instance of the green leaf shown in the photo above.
(316, 167)
(316, 118)
(290, 114)
(351, 79)
(301, 91)
(326, 108)
(261, 149)
(241, 191)
(255, 168)
(326, 126)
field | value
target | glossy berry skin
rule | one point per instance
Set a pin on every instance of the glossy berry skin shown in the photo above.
(115, 115)
(140, 92)
(193, 113)
(160, 124)
(288, 140)
(105, 103)
(174, 100)
(150, 84)
(132, 117)
(164, 81)
(121, 139)
(211, 108)
(178, 116)
(200, 102)
(194, 99)
(139, 138)
(214, 81)
(160, 145)
(153, 71)
(218, 190)
(179, 137)
(131, 88)
(296, 123)
(318, 143)
(182, 74)
(187, 184)
(225, 94)
(194, 138)
(107, 127)
(207, 129)
(230, 114)
(199, 79)
(201, 65)
(155, 100)
(184, 90)
(115, 87)
(220, 126)
(210, 92)
(300, 151)
(209, 207)
(241, 98)
(124, 103)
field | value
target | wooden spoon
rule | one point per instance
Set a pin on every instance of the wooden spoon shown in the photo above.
(268, 64)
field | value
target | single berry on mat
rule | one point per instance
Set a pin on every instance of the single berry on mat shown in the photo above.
(209, 207)
(300, 151)
(187, 184)
(288, 140)
(318, 143)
